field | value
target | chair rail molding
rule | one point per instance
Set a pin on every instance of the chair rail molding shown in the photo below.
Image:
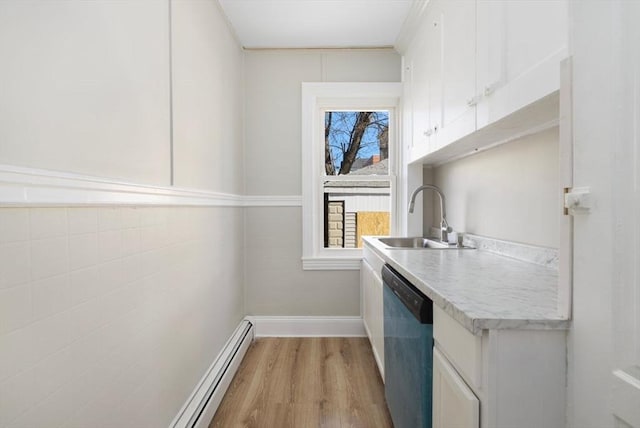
(30, 187)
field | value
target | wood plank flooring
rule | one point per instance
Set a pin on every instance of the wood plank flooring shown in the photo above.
(305, 383)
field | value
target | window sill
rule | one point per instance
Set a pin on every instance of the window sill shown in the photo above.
(331, 263)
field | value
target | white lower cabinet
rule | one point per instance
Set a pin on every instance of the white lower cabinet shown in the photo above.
(372, 310)
(454, 404)
(501, 378)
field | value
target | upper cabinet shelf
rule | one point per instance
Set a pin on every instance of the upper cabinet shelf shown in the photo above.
(479, 73)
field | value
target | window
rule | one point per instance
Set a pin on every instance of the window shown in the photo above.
(349, 164)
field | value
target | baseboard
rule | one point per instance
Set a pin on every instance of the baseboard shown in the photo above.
(201, 406)
(273, 326)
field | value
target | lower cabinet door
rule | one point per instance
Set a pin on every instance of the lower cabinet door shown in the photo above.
(371, 287)
(454, 404)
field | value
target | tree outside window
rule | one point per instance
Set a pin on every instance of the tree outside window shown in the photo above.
(357, 145)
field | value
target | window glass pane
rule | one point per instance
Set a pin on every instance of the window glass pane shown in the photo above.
(353, 209)
(356, 142)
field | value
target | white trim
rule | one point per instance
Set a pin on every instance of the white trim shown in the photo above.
(21, 186)
(315, 97)
(626, 395)
(297, 326)
(273, 201)
(335, 263)
(411, 25)
(203, 402)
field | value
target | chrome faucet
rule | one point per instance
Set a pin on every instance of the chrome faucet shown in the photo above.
(444, 226)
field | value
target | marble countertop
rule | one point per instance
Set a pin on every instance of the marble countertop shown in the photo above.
(480, 289)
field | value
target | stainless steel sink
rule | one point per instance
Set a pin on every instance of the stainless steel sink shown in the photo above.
(406, 243)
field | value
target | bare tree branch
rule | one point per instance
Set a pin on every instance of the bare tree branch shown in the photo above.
(362, 122)
(328, 161)
(349, 133)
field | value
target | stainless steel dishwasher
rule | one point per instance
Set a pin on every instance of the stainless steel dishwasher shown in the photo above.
(408, 351)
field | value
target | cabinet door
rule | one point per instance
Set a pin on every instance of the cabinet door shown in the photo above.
(433, 51)
(454, 404)
(519, 48)
(417, 62)
(366, 279)
(458, 33)
(372, 316)
(377, 320)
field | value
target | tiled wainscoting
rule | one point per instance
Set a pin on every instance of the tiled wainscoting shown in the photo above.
(110, 315)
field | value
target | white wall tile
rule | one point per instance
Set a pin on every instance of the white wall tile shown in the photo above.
(95, 281)
(14, 224)
(82, 220)
(110, 245)
(130, 242)
(84, 284)
(49, 257)
(16, 352)
(86, 318)
(147, 217)
(148, 238)
(90, 332)
(112, 276)
(131, 268)
(50, 335)
(83, 250)
(15, 396)
(15, 264)
(15, 307)
(130, 217)
(53, 411)
(109, 218)
(116, 303)
(48, 222)
(52, 372)
(50, 296)
(151, 262)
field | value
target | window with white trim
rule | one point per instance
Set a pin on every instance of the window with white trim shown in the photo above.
(349, 164)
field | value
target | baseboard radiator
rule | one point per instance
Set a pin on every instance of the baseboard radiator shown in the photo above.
(205, 399)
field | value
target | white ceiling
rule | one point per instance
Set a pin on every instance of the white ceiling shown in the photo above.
(316, 23)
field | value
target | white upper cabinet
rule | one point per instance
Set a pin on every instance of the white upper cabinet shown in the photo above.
(474, 63)
(519, 49)
(458, 30)
(425, 82)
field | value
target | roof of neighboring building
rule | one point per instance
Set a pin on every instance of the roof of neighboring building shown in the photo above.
(380, 168)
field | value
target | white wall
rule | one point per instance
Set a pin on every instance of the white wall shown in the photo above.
(85, 87)
(275, 282)
(510, 192)
(207, 99)
(110, 315)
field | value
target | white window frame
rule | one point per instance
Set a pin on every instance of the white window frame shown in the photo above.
(316, 99)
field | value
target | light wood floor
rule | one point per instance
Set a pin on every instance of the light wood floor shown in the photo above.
(305, 383)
